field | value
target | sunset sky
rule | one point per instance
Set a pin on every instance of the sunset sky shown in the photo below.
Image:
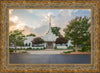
(37, 20)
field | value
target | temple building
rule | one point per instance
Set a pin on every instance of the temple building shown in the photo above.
(49, 39)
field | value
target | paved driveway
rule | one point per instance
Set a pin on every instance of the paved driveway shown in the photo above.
(49, 59)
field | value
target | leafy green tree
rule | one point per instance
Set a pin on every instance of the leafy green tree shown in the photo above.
(20, 44)
(56, 30)
(78, 31)
(16, 37)
(31, 34)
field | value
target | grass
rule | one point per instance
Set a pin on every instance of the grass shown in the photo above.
(79, 50)
(36, 49)
(11, 50)
(24, 52)
(28, 49)
(61, 49)
(68, 52)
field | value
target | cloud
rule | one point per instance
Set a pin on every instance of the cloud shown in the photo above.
(10, 11)
(61, 20)
(75, 10)
(15, 23)
(28, 30)
(30, 10)
(89, 9)
(40, 31)
(64, 12)
(49, 14)
(14, 18)
(86, 9)
(37, 20)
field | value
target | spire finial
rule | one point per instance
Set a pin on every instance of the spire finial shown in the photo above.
(50, 19)
(49, 24)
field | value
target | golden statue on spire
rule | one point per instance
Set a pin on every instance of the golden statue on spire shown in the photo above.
(49, 24)
(50, 19)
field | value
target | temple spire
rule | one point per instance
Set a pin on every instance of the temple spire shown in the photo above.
(50, 23)
(49, 31)
(50, 19)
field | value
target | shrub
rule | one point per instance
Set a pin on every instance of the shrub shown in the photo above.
(86, 48)
(11, 50)
(29, 48)
(44, 48)
(38, 40)
(55, 47)
(33, 48)
(70, 47)
(36, 48)
(61, 40)
(68, 52)
(26, 44)
(73, 50)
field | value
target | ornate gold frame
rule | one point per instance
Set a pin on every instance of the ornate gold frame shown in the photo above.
(93, 5)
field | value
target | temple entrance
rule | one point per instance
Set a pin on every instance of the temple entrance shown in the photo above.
(49, 45)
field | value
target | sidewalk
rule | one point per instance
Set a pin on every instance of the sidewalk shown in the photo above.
(47, 51)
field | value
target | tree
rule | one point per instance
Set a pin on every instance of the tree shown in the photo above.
(55, 31)
(38, 40)
(78, 31)
(61, 40)
(31, 34)
(20, 44)
(16, 37)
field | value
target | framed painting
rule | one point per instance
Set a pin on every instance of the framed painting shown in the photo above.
(49, 36)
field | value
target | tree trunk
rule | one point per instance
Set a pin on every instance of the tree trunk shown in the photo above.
(15, 47)
(76, 48)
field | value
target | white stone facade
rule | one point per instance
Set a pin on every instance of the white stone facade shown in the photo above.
(30, 38)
